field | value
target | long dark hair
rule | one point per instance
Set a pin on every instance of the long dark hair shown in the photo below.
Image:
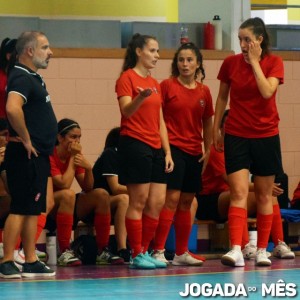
(196, 50)
(137, 41)
(7, 46)
(257, 26)
(112, 138)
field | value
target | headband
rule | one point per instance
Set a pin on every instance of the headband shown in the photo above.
(73, 125)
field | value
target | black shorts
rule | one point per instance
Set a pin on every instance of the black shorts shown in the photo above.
(186, 176)
(262, 156)
(26, 179)
(208, 208)
(140, 163)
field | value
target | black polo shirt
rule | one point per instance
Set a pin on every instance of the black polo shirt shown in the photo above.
(38, 112)
(106, 165)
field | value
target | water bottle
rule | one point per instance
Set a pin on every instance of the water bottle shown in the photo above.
(184, 36)
(218, 32)
(252, 236)
(209, 36)
(51, 248)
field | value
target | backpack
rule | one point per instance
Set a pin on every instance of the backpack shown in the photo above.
(85, 248)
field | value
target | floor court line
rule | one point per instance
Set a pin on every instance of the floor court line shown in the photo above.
(91, 282)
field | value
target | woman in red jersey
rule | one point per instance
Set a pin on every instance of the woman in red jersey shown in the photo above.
(214, 202)
(188, 111)
(145, 155)
(251, 142)
(91, 205)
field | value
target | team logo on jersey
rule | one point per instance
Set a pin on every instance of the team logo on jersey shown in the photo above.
(202, 102)
(48, 99)
(37, 197)
(155, 90)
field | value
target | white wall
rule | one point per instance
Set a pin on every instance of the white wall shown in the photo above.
(232, 13)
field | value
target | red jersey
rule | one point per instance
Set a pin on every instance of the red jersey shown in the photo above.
(212, 177)
(184, 111)
(144, 124)
(296, 196)
(251, 116)
(59, 168)
(3, 83)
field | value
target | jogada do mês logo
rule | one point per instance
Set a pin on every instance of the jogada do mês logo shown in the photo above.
(278, 289)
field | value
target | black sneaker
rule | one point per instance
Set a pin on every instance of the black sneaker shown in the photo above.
(9, 270)
(36, 269)
(107, 258)
(125, 254)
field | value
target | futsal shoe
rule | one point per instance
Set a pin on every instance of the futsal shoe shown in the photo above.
(261, 258)
(186, 259)
(282, 250)
(68, 259)
(125, 254)
(36, 269)
(233, 258)
(156, 262)
(9, 270)
(107, 258)
(160, 255)
(249, 251)
(139, 262)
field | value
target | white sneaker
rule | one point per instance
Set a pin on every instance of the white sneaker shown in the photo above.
(249, 251)
(19, 257)
(186, 259)
(282, 250)
(159, 255)
(68, 259)
(233, 258)
(261, 258)
(42, 256)
(1, 250)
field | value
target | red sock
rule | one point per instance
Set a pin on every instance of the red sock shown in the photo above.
(1, 235)
(264, 224)
(102, 228)
(182, 226)
(237, 217)
(165, 221)
(64, 224)
(41, 221)
(245, 238)
(18, 244)
(134, 233)
(276, 229)
(149, 228)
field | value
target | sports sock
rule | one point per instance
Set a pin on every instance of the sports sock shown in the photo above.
(41, 221)
(134, 233)
(264, 224)
(182, 226)
(237, 217)
(64, 224)
(276, 229)
(149, 228)
(165, 221)
(18, 244)
(245, 238)
(102, 228)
